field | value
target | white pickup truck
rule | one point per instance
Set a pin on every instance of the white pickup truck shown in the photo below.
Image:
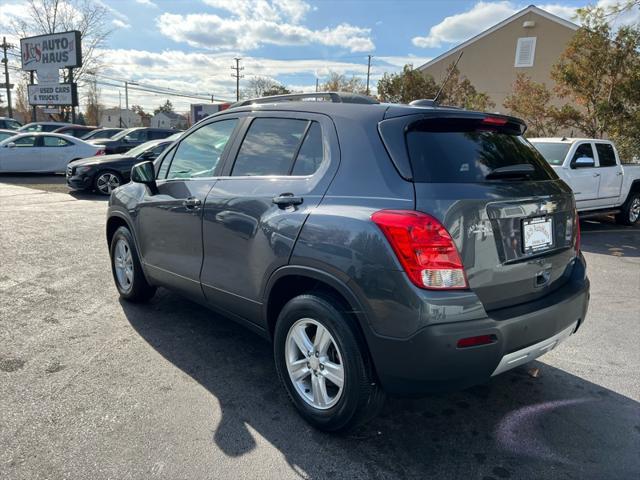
(592, 168)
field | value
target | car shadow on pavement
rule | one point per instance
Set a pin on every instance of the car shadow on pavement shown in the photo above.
(605, 237)
(516, 426)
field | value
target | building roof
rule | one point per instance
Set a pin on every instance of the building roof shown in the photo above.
(515, 16)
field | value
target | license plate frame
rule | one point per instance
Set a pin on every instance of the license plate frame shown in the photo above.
(537, 234)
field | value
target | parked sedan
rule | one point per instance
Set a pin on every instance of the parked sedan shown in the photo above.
(101, 133)
(41, 127)
(9, 123)
(132, 137)
(43, 152)
(4, 134)
(104, 173)
(77, 131)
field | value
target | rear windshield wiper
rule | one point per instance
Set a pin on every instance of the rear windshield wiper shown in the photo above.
(518, 170)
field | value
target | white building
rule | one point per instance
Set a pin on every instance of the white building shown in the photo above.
(168, 120)
(120, 117)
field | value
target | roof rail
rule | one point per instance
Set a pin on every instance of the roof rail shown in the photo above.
(334, 97)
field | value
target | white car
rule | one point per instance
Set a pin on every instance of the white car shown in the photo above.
(592, 168)
(43, 152)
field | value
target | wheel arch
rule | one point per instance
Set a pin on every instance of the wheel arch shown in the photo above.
(634, 188)
(291, 281)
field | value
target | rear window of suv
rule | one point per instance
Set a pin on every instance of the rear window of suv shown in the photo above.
(466, 151)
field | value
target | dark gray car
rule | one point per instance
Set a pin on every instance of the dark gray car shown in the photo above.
(382, 248)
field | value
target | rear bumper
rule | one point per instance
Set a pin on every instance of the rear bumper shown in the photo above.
(430, 360)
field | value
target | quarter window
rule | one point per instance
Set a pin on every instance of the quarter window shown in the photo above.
(606, 155)
(311, 152)
(270, 146)
(199, 153)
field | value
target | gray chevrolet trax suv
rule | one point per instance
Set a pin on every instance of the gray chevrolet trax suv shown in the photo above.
(382, 248)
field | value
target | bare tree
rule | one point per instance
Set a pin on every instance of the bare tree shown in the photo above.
(338, 82)
(262, 87)
(86, 16)
(94, 108)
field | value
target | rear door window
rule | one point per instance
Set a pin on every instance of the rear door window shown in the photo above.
(269, 147)
(465, 151)
(606, 155)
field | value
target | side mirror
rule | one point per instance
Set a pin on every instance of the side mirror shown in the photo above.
(148, 155)
(127, 139)
(584, 162)
(144, 172)
(11, 145)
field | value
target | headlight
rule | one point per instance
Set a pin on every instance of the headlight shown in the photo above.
(83, 169)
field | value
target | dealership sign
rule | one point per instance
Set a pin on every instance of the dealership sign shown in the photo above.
(57, 94)
(53, 51)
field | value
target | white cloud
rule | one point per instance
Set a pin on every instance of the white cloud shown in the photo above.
(253, 23)
(483, 15)
(120, 24)
(462, 26)
(148, 3)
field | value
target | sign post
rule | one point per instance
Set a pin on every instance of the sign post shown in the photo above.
(47, 55)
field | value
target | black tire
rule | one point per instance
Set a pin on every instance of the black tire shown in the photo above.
(361, 398)
(139, 289)
(628, 214)
(99, 187)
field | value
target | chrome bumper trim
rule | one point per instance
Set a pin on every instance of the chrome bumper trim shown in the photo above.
(532, 352)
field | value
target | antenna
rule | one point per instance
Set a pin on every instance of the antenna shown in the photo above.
(435, 100)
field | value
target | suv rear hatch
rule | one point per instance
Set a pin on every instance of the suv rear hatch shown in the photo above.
(511, 218)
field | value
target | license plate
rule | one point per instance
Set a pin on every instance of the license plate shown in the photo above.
(537, 234)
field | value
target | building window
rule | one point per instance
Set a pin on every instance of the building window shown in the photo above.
(525, 52)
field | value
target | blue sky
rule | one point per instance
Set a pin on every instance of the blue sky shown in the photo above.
(189, 45)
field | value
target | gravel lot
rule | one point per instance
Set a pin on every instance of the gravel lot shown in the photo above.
(94, 388)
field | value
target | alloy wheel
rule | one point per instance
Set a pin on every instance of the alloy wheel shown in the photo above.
(314, 363)
(634, 211)
(107, 182)
(123, 264)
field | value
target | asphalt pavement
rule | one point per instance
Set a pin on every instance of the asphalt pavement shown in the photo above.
(92, 387)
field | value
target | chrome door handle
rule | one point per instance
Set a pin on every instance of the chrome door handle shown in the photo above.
(287, 200)
(619, 173)
(192, 203)
(596, 174)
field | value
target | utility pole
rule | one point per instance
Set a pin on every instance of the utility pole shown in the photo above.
(316, 84)
(237, 76)
(126, 95)
(368, 72)
(5, 46)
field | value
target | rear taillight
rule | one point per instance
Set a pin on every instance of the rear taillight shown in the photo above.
(99, 152)
(577, 232)
(424, 248)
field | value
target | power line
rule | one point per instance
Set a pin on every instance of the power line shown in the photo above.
(237, 76)
(368, 72)
(6, 46)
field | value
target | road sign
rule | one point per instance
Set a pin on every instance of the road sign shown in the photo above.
(60, 94)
